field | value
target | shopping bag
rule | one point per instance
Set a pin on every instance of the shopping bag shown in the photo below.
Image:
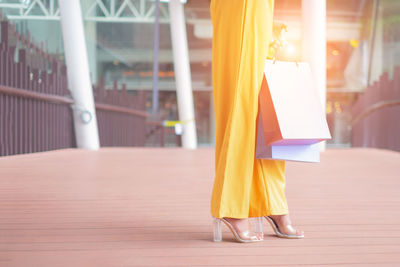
(303, 153)
(290, 107)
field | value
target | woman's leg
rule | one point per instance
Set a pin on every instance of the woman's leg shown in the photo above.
(268, 194)
(268, 189)
(244, 186)
(242, 32)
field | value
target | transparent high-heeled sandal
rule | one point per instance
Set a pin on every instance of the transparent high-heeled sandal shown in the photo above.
(244, 237)
(278, 232)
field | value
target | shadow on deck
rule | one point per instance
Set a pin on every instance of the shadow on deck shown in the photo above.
(150, 207)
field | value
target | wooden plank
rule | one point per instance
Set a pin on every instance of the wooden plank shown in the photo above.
(150, 207)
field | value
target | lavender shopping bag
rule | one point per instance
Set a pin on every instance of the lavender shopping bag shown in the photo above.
(304, 153)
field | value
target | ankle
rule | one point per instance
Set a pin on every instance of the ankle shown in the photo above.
(281, 219)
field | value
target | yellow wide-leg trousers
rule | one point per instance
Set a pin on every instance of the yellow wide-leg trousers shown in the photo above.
(244, 186)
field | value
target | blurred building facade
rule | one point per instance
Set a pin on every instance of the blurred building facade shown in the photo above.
(363, 42)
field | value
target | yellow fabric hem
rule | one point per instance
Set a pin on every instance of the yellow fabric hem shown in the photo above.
(241, 215)
(270, 212)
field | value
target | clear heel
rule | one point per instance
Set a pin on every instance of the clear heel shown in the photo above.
(258, 224)
(217, 230)
(244, 236)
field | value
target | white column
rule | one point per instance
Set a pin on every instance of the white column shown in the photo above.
(314, 44)
(182, 74)
(84, 112)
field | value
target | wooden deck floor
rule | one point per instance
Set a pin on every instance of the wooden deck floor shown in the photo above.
(150, 207)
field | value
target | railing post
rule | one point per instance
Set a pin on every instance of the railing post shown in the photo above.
(162, 136)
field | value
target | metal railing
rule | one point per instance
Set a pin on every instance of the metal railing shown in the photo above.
(376, 115)
(34, 99)
(35, 103)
